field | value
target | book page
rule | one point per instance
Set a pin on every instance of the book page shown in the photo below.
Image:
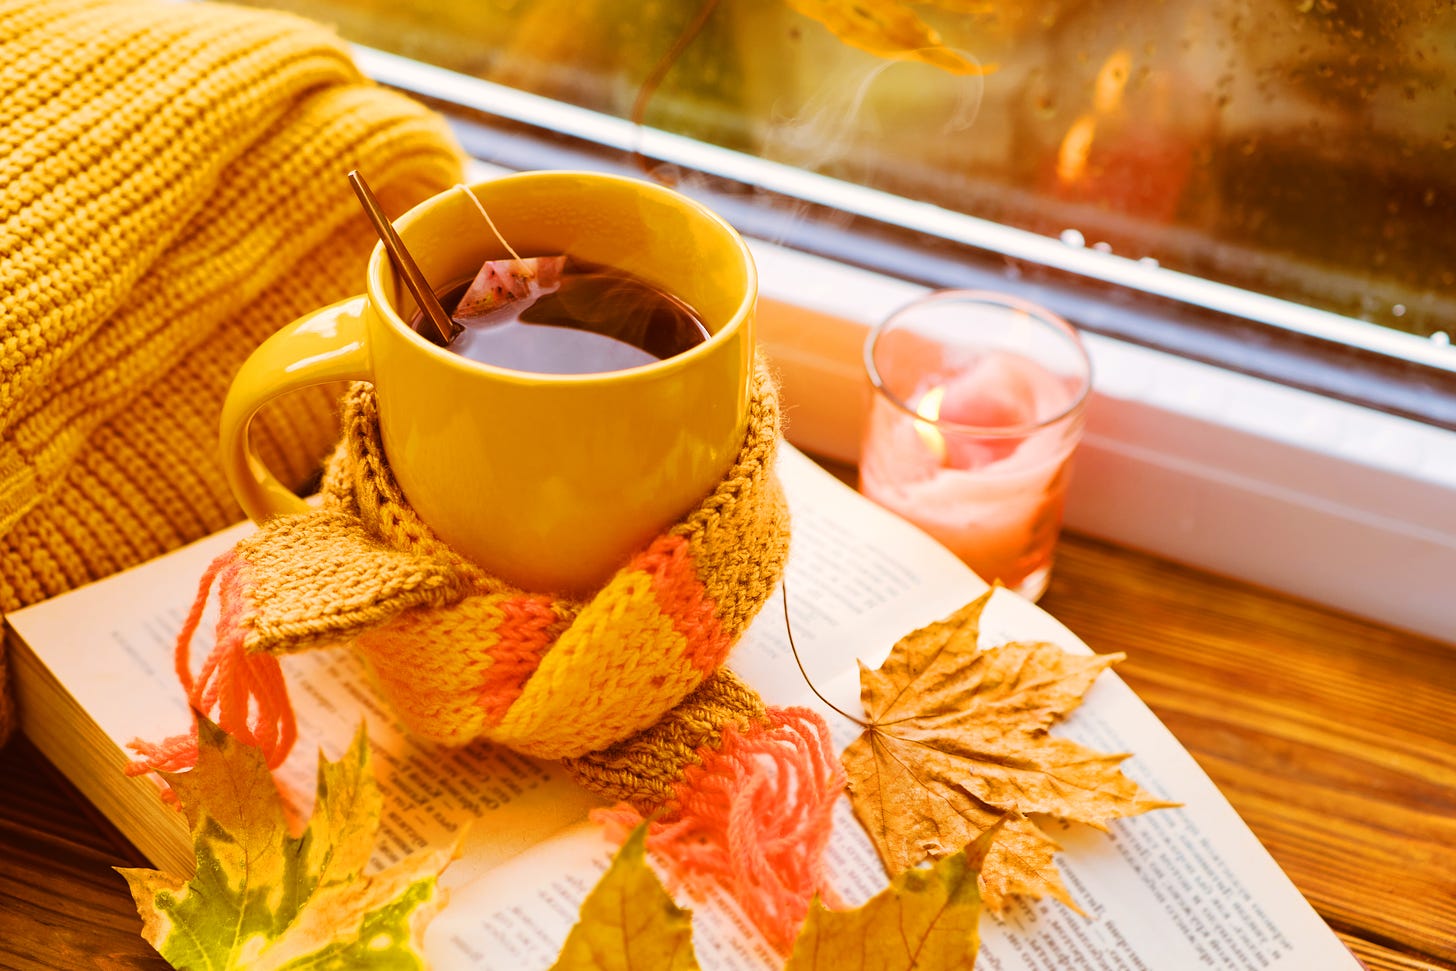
(111, 645)
(1187, 887)
(517, 917)
(859, 577)
(1177, 888)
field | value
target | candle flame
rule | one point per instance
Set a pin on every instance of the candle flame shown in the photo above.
(929, 411)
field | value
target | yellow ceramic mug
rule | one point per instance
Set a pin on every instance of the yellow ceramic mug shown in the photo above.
(548, 481)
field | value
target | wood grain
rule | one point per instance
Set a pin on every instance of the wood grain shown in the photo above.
(62, 906)
(1334, 738)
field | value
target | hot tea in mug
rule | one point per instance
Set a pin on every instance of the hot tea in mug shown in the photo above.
(565, 316)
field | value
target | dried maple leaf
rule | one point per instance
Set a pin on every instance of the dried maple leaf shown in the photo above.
(925, 920)
(888, 28)
(264, 900)
(957, 737)
(629, 921)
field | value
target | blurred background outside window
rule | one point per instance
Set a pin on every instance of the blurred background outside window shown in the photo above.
(1304, 149)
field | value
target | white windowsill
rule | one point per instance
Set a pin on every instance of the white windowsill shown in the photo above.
(1317, 498)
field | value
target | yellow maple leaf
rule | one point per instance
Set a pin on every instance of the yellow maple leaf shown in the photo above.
(889, 28)
(925, 920)
(629, 921)
(957, 737)
(265, 900)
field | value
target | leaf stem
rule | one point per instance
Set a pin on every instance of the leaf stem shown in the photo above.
(788, 629)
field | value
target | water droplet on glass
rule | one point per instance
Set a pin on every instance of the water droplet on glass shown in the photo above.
(1102, 247)
(1398, 310)
(1073, 238)
(1442, 338)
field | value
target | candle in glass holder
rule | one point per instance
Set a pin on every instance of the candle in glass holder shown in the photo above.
(978, 407)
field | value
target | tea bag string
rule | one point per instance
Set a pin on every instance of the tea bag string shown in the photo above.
(491, 223)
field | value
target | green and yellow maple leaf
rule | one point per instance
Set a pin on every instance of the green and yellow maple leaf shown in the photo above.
(264, 900)
(957, 738)
(629, 921)
(925, 920)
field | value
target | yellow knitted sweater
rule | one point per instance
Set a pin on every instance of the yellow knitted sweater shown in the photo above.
(172, 190)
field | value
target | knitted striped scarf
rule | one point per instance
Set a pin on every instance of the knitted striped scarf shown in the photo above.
(172, 191)
(627, 687)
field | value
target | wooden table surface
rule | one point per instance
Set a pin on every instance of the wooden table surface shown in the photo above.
(1334, 738)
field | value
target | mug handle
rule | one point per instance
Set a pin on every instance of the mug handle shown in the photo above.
(321, 347)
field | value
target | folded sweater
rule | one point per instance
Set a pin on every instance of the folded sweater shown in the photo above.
(172, 191)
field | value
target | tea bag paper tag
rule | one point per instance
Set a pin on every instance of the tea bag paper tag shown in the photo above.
(500, 282)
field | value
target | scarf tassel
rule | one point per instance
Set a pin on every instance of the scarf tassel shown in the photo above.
(753, 817)
(243, 693)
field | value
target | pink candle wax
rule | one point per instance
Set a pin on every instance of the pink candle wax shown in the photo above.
(983, 466)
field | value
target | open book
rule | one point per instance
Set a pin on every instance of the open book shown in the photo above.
(1174, 889)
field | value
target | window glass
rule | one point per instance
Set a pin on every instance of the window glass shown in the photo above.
(1305, 149)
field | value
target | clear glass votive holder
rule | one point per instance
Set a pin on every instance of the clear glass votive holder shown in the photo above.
(979, 402)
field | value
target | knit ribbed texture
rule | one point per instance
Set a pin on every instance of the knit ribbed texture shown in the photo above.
(171, 192)
(627, 687)
(643, 771)
(462, 654)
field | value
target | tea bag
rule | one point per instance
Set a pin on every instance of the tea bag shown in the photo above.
(500, 282)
